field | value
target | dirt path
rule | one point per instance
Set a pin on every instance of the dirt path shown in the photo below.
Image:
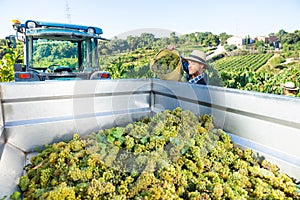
(288, 60)
(220, 49)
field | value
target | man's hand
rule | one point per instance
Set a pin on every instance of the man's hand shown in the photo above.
(171, 47)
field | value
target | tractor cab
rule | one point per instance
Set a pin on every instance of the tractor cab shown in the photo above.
(56, 51)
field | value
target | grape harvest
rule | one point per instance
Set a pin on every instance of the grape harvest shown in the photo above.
(166, 64)
(173, 155)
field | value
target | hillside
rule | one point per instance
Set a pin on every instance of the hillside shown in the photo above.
(157, 32)
(257, 67)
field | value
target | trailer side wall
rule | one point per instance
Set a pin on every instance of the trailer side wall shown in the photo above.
(34, 114)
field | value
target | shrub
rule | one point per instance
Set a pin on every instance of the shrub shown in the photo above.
(6, 68)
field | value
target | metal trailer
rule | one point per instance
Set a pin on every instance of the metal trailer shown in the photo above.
(37, 113)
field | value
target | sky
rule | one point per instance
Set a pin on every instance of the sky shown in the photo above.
(115, 17)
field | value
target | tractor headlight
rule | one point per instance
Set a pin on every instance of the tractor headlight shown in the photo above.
(31, 24)
(91, 30)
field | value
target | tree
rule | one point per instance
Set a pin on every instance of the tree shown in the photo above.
(173, 38)
(131, 41)
(223, 38)
(148, 39)
(280, 33)
(286, 49)
(260, 46)
(290, 38)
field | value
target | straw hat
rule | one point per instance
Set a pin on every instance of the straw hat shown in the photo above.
(198, 56)
(289, 86)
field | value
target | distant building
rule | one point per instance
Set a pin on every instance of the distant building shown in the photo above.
(262, 39)
(237, 41)
(246, 42)
(270, 39)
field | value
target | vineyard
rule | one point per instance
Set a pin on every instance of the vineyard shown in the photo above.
(133, 64)
(254, 72)
(260, 71)
(250, 61)
(189, 157)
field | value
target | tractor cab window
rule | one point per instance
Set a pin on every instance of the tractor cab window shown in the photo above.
(78, 56)
(89, 55)
(47, 53)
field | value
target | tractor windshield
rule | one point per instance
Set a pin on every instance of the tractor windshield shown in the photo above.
(50, 52)
(76, 55)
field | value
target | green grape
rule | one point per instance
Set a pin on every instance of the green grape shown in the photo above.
(129, 142)
(172, 155)
(15, 196)
(45, 177)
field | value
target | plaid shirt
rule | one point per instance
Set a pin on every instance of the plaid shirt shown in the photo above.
(196, 79)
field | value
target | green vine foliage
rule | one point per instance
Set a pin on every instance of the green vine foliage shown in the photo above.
(249, 72)
(6, 68)
(8, 57)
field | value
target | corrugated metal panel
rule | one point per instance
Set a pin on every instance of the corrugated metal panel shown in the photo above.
(11, 168)
(47, 112)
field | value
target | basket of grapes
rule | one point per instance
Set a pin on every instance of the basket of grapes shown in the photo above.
(167, 65)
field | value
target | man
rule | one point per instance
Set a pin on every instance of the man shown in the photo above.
(289, 89)
(195, 66)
